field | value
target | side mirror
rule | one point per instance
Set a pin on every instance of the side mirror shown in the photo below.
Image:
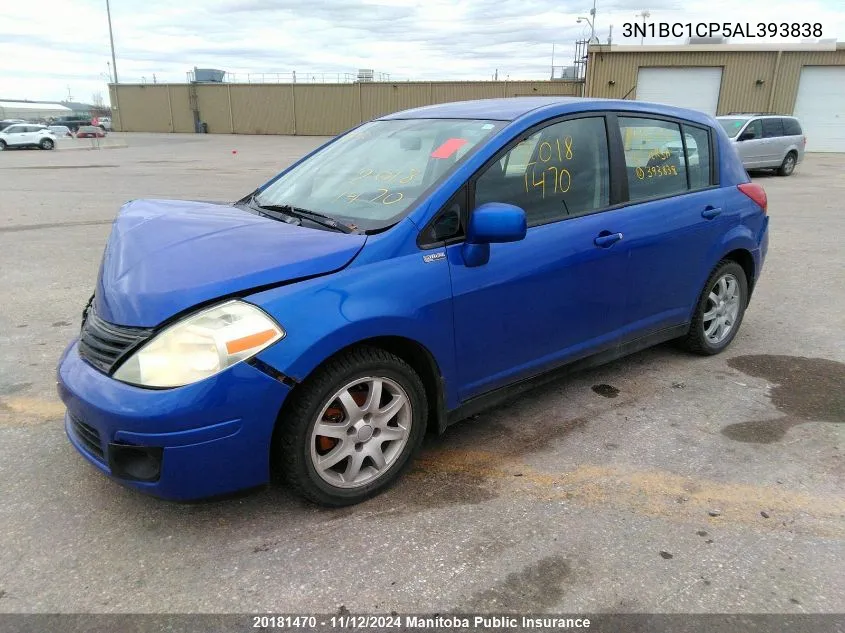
(496, 222)
(492, 223)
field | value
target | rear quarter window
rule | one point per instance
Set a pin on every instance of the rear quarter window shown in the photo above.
(698, 156)
(791, 127)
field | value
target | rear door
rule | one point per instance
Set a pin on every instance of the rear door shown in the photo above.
(674, 221)
(774, 147)
(33, 134)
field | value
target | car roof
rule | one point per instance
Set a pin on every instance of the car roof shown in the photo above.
(512, 108)
(751, 115)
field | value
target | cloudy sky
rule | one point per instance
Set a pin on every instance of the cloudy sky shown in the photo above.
(57, 48)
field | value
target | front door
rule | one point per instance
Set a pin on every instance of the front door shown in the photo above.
(559, 293)
(17, 135)
(752, 147)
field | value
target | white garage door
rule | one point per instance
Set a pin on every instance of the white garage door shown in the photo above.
(694, 88)
(820, 107)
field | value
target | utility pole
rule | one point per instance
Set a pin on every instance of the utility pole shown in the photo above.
(553, 60)
(111, 41)
(593, 22)
(610, 35)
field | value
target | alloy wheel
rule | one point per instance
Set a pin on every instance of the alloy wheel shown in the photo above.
(722, 309)
(360, 432)
(788, 165)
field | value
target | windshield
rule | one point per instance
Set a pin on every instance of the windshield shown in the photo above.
(732, 126)
(370, 177)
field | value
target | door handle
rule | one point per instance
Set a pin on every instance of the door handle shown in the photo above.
(710, 212)
(606, 239)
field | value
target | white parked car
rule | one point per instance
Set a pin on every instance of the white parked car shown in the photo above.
(104, 122)
(27, 135)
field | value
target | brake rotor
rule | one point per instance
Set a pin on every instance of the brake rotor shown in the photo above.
(335, 415)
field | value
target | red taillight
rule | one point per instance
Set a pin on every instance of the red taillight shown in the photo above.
(805, 141)
(756, 193)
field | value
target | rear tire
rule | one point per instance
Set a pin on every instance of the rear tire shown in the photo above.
(719, 311)
(348, 463)
(788, 165)
(46, 144)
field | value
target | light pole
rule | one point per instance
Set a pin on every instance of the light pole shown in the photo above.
(111, 41)
(591, 21)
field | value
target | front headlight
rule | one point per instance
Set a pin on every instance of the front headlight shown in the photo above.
(200, 346)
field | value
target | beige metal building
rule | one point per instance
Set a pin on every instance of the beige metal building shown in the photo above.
(807, 80)
(308, 109)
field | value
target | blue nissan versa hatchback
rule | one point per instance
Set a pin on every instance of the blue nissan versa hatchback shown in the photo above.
(401, 277)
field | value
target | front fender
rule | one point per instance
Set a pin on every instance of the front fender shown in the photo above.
(400, 296)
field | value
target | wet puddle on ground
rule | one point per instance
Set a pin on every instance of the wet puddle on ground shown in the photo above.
(805, 389)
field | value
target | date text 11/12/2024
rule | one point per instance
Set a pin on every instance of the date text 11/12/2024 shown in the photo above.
(380, 622)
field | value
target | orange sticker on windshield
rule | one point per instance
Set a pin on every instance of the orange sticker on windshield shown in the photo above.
(448, 148)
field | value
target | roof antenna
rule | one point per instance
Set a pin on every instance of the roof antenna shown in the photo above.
(644, 14)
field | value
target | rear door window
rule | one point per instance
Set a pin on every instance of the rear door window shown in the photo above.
(772, 128)
(791, 127)
(654, 157)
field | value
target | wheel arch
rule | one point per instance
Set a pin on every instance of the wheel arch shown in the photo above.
(745, 259)
(417, 355)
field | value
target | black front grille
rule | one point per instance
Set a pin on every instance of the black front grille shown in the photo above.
(89, 437)
(102, 343)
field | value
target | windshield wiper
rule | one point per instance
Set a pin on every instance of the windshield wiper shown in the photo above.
(304, 214)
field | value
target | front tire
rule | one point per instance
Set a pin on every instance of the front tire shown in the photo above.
(352, 428)
(2, 145)
(788, 166)
(46, 144)
(719, 311)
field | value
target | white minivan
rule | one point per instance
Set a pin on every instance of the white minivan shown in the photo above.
(766, 141)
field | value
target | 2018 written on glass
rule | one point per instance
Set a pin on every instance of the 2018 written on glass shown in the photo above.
(562, 180)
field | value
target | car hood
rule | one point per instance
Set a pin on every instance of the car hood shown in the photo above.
(165, 256)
